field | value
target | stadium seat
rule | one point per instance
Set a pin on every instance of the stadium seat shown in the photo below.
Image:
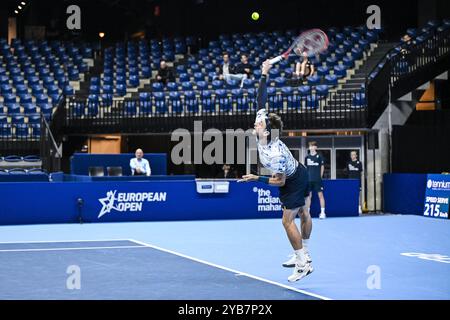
(121, 89)
(160, 102)
(145, 102)
(222, 100)
(13, 108)
(322, 91)
(340, 71)
(190, 100)
(358, 100)
(133, 81)
(184, 77)
(280, 82)
(17, 119)
(242, 103)
(175, 102)
(313, 80)
(217, 84)
(201, 85)
(172, 86)
(207, 101)
(311, 102)
(187, 86)
(130, 107)
(275, 101)
(331, 80)
(323, 71)
(21, 131)
(92, 105)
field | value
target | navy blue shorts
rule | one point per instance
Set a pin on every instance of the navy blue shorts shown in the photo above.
(315, 186)
(294, 191)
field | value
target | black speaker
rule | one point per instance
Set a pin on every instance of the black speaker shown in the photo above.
(372, 140)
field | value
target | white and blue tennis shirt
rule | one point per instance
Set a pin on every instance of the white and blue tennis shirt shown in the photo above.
(275, 156)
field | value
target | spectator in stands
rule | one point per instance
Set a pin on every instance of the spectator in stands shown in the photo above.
(304, 69)
(406, 43)
(405, 51)
(227, 173)
(244, 67)
(165, 73)
(227, 71)
(140, 166)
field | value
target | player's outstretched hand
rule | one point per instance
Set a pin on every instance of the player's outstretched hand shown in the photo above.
(266, 66)
(249, 178)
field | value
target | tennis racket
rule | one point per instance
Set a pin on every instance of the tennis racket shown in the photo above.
(310, 41)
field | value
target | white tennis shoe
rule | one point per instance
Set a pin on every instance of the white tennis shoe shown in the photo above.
(291, 262)
(300, 271)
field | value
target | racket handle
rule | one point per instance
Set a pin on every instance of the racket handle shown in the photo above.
(276, 59)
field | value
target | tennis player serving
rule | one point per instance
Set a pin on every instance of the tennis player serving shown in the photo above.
(287, 173)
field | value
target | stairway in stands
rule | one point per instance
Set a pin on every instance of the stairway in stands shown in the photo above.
(94, 71)
(355, 81)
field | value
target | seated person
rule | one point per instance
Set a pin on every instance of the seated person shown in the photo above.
(165, 73)
(244, 67)
(226, 70)
(304, 69)
(227, 173)
(140, 166)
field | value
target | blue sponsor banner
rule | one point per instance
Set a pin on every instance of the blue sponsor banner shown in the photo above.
(437, 194)
(163, 200)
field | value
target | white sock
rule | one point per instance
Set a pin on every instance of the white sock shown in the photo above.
(322, 210)
(305, 244)
(300, 255)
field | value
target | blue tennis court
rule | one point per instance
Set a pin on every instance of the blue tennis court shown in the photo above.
(232, 259)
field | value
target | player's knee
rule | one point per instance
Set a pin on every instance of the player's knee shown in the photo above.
(286, 221)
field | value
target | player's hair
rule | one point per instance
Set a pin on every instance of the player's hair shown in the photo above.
(244, 55)
(225, 53)
(312, 143)
(275, 122)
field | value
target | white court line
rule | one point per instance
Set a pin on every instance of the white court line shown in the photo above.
(59, 241)
(231, 270)
(68, 249)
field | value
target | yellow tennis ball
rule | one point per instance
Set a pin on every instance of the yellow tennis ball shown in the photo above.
(255, 15)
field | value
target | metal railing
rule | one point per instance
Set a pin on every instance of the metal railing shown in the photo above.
(334, 109)
(19, 138)
(406, 67)
(50, 151)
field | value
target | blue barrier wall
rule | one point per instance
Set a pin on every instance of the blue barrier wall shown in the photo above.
(57, 202)
(82, 178)
(404, 193)
(80, 162)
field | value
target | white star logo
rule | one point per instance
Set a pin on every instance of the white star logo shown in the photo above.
(108, 203)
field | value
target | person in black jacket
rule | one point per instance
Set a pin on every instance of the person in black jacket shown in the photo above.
(244, 67)
(165, 73)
